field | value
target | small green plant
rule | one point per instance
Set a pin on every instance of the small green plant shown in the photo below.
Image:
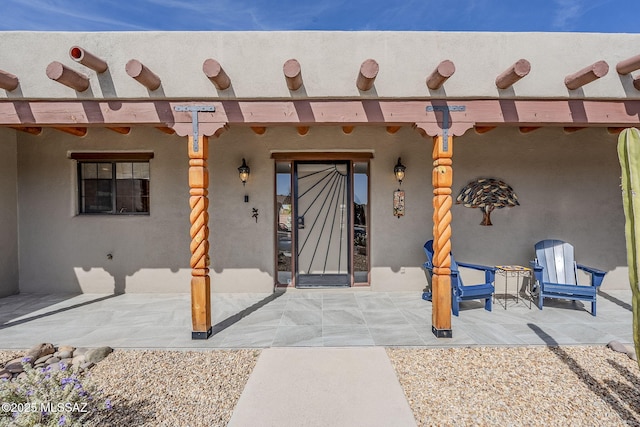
(629, 155)
(49, 397)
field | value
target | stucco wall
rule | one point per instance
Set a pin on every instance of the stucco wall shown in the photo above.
(8, 213)
(63, 252)
(568, 187)
(567, 184)
(242, 253)
(330, 63)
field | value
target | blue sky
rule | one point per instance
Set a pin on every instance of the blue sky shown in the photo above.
(351, 15)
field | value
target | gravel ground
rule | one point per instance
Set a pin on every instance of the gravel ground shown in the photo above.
(501, 386)
(519, 386)
(173, 388)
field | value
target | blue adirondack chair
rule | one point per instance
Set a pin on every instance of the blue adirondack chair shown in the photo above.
(460, 292)
(556, 274)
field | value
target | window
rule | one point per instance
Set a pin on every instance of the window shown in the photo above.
(113, 186)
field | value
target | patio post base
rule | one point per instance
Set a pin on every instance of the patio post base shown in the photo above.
(201, 335)
(441, 333)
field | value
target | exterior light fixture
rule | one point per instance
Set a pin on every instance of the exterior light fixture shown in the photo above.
(398, 170)
(244, 170)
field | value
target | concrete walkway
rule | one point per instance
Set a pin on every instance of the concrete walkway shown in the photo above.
(323, 387)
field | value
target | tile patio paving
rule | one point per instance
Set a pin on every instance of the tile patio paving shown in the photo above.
(298, 318)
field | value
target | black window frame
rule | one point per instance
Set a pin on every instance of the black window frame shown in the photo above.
(112, 159)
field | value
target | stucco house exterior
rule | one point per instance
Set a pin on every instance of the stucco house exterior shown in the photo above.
(120, 156)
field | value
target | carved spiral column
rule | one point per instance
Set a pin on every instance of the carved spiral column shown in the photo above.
(199, 218)
(442, 178)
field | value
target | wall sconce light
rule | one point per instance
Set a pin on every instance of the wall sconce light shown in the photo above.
(398, 170)
(244, 170)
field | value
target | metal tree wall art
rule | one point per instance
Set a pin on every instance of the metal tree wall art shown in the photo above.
(487, 194)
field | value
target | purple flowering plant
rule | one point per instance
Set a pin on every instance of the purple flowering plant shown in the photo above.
(50, 397)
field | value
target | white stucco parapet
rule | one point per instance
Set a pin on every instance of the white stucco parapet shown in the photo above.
(330, 62)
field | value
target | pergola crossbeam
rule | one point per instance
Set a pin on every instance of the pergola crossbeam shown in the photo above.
(345, 113)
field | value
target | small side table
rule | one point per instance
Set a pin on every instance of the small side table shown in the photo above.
(516, 271)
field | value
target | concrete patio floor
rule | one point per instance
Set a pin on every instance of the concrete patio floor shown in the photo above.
(314, 318)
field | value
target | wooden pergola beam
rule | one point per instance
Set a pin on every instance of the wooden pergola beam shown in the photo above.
(28, 129)
(442, 72)
(528, 129)
(60, 73)
(75, 131)
(214, 71)
(367, 74)
(88, 59)
(8, 81)
(142, 74)
(120, 130)
(293, 74)
(483, 129)
(344, 113)
(628, 65)
(572, 129)
(167, 130)
(512, 74)
(586, 75)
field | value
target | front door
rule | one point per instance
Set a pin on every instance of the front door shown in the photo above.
(322, 223)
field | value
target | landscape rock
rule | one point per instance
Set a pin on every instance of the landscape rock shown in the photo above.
(39, 350)
(87, 365)
(95, 355)
(14, 368)
(79, 351)
(51, 361)
(617, 346)
(46, 355)
(43, 359)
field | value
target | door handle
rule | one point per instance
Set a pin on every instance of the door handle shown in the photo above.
(301, 222)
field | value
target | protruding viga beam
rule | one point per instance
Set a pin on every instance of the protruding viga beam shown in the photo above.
(142, 74)
(622, 113)
(8, 81)
(514, 73)
(367, 74)
(62, 74)
(214, 71)
(628, 65)
(88, 59)
(440, 74)
(293, 74)
(587, 75)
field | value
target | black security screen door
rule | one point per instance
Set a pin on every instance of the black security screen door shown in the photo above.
(322, 223)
